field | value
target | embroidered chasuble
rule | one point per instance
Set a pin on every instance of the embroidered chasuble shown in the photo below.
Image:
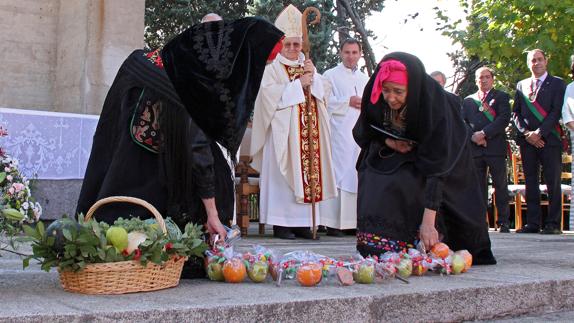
(309, 159)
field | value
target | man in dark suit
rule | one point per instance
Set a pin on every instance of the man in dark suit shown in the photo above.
(488, 113)
(537, 108)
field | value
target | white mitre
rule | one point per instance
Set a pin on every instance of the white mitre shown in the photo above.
(289, 22)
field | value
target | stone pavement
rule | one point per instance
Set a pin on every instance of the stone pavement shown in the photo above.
(533, 280)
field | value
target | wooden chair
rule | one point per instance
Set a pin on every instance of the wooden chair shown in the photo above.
(247, 192)
(247, 188)
(518, 189)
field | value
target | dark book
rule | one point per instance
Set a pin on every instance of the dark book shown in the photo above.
(393, 135)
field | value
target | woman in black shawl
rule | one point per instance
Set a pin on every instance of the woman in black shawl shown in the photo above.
(416, 176)
(146, 144)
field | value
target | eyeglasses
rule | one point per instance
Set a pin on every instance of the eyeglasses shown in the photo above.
(293, 45)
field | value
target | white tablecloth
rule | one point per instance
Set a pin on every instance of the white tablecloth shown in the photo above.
(49, 145)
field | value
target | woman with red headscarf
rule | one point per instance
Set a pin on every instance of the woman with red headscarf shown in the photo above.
(415, 168)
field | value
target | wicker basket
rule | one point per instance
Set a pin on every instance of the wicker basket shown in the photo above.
(124, 276)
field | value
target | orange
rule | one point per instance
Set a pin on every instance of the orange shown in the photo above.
(440, 250)
(234, 271)
(309, 274)
(467, 259)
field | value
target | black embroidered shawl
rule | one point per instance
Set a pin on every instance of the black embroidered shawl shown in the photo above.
(216, 68)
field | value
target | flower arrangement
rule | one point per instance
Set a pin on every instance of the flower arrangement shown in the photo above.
(16, 203)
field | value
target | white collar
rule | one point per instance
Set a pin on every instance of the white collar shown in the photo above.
(541, 78)
(285, 61)
(349, 70)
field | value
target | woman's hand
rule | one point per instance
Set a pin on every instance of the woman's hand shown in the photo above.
(427, 231)
(213, 225)
(399, 145)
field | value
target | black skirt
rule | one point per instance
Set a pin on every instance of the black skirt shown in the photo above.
(390, 205)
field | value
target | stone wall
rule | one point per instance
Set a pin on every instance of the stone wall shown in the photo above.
(28, 53)
(62, 55)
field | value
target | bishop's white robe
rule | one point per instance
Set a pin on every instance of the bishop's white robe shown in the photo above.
(341, 213)
(280, 152)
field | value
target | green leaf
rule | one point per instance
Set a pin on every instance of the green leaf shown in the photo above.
(30, 232)
(41, 229)
(67, 234)
(2, 176)
(26, 262)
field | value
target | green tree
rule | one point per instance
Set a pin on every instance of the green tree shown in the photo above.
(499, 32)
(166, 18)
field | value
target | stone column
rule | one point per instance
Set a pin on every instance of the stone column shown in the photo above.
(93, 39)
(28, 53)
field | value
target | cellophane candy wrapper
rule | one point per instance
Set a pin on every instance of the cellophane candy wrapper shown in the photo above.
(215, 262)
(364, 270)
(260, 263)
(420, 262)
(303, 265)
(234, 267)
(405, 266)
(440, 265)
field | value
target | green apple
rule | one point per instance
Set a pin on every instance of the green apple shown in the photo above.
(215, 271)
(458, 264)
(365, 274)
(117, 237)
(405, 268)
(258, 271)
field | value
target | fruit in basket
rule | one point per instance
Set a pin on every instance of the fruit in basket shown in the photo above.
(365, 274)
(440, 250)
(405, 268)
(458, 264)
(117, 237)
(258, 271)
(215, 271)
(234, 271)
(134, 240)
(467, 259)
(309, 275)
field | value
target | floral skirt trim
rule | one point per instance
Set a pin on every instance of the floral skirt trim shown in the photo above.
(381, 245)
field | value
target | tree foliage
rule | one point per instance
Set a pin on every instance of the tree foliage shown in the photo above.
(499, 32)
(166, 18)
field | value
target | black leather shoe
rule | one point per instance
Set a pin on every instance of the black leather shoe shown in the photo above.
(335, 232)
(504, 228)
(304, 232)
(551, 230)
(283, 233)
(528, 229)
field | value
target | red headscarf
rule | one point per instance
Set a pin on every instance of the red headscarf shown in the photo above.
(391, 71)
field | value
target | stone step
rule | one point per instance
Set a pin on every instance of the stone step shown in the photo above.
(534, 275)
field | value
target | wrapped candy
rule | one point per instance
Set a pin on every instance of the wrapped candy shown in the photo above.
(420, 262)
